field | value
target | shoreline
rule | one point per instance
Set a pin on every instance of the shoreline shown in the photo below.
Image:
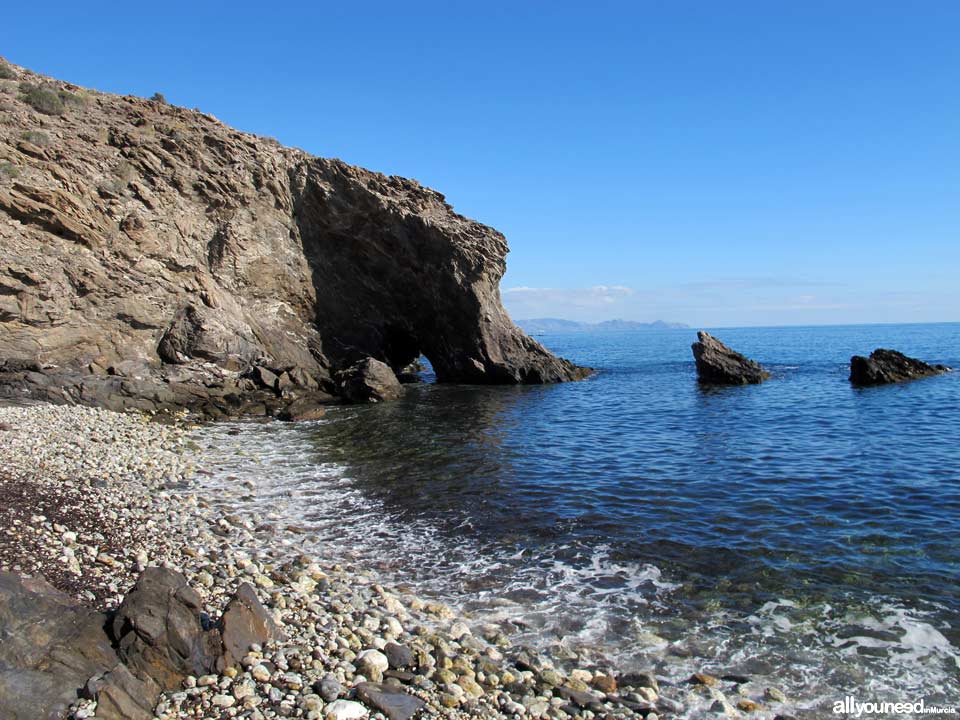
(116, 499)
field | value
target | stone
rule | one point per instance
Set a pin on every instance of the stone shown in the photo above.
(704, 679)
(747, 705)
(578, 698)
(159, 633)
(394, 703)
(223, 701)
(306, 409)
(639, 680)
(719, 365)
(344, 710)
(245, 622)
(604, 683)
(121, 696)
(205, 257)
(775, 695)
(329, 688)
(398, 656)
(889, 366)
(369, 381)
(51, 645)
(54, 649)
(372, 664)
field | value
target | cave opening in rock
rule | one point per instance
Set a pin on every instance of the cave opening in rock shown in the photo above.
(402, 351)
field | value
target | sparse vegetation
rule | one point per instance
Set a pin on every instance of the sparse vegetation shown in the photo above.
(42, 99)
(48, 100)
(37, 137)
(126, 172)
(9, 171)
(158, 98)
(6, 72)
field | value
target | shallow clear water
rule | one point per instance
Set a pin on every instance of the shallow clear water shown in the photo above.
(801, 532)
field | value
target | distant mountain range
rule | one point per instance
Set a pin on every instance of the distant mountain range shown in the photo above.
(556, 325)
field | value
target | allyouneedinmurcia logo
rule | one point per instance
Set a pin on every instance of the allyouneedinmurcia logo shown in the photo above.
(850, 707)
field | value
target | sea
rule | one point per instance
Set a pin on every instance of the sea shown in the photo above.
(802, 534)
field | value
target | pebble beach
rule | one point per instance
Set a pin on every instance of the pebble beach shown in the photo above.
(91, 498)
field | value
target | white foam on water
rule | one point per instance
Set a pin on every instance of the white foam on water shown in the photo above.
(619, 612)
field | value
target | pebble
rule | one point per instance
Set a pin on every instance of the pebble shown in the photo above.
(344, 710)
(342, 627)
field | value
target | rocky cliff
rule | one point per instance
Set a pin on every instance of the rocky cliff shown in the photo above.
(152, 257)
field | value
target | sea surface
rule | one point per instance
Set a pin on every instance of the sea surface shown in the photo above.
(802, 533)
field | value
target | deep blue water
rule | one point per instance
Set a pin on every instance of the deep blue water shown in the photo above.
(801, 531)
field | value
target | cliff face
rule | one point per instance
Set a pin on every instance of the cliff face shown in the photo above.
(151, 256)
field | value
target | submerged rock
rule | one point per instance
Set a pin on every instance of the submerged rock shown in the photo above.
(889, 366)
(719, 365)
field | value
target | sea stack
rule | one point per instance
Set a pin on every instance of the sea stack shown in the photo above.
(889, 366)
(719, 365)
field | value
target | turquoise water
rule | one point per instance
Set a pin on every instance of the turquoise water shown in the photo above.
(801, 532)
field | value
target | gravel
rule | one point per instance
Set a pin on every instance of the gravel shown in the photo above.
(90, 497)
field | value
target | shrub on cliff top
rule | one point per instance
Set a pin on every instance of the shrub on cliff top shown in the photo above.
(158, 98)
(48, 100)
(6, 72)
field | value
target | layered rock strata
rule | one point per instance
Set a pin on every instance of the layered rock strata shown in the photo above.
(152, 257)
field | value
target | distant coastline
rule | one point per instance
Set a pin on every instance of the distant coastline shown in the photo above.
(555, 325)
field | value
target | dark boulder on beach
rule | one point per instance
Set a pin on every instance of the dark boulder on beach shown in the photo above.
(159, 632)
(719, 365)
(54, 649)
(889, 366)
(49, 647)
(153, 258)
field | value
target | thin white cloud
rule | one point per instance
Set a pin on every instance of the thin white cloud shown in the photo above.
(527, 302)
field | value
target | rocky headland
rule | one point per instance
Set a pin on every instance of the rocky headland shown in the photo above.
(153, 258)
(884, 367)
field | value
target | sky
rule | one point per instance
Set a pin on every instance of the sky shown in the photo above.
(719, 164)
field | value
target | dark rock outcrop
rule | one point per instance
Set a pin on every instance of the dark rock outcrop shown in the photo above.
(54, 650)
(889, 366)
(719, 365)
(49, 647)
(152, 258)
(159, 632)
(369, 381)
(245, 622)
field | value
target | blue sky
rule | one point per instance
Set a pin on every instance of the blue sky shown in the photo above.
(736, 163)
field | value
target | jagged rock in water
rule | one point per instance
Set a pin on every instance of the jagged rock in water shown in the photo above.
(369, 381)
(889, 366)
(139, 234)
(719, 365)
